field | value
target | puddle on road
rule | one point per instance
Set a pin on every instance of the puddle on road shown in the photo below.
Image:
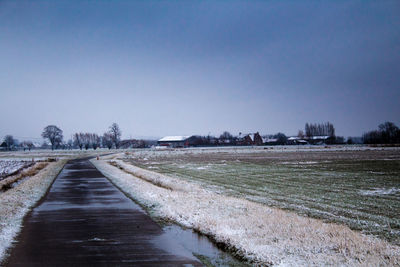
(198, 245)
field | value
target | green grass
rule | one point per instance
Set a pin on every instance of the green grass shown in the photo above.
(361, 191)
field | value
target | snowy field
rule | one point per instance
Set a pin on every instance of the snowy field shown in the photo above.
(8, 167)
(356, 186)
(217, 192)
(44, 154)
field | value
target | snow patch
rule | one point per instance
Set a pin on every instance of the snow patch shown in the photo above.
(380, 191)
(11, 166)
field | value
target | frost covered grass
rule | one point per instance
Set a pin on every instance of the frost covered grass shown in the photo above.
(9, 167)
(17, 201)
(261, 234)
(44, 154)
(13, 180)
(357, 187)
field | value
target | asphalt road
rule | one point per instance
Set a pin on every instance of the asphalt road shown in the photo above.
(84, 220)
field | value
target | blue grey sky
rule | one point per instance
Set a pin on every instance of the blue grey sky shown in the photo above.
(197, 67)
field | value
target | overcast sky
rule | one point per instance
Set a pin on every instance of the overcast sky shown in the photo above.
(197, 67)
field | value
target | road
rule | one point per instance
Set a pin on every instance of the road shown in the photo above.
(84, 220)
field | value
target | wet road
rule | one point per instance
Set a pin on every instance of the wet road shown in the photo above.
(85, 220)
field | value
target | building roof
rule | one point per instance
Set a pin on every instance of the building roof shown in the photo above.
(173, 138)
(269, 140)
(251, 137)
(323, 137)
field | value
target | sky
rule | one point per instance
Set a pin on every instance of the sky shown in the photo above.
(198, 67)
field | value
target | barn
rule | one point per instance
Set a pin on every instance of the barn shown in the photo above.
(174, 141)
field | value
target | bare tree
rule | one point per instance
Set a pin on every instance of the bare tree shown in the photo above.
(27, 145)
(78, 140)
(95, 141)
(86, 140)
(10, 141)
(320, 129)
(107, 140)
(54, 134)
(115, 134)
(70, 144)
(226, 137)
(388, 133)
(281, 138)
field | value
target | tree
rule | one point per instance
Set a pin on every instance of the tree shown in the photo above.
(70, 144)
(320, 129)
(350, 141)
(107, 140)
(95, 141)
(281, 138)
(10, 142)
(78, 140)
(388, 133)
(86, 140)
(54, 134)
(27, 145)
(226, 137)
(115, 134)
(372, 137)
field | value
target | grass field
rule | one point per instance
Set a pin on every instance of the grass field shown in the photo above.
(358, 188)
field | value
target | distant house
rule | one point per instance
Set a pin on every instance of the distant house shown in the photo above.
(295, 140)
(3, 146)
(174, 141)
(320, 140)
(251, 139)
(270, 141)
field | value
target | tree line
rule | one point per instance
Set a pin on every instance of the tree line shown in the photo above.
(111, 138)
(319, 129)
(387, 133)
(84, 140)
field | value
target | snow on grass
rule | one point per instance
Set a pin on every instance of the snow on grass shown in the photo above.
(44, 154)
(261, 234)
(148, 153)
(327, 189)
(380, 191)
(11, 166)
(17, 201)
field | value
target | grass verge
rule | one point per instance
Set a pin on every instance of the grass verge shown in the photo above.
(261, 234)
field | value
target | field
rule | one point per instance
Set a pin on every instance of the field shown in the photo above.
(9, 167)
(357, 187)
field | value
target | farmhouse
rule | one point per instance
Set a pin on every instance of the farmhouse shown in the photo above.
(174, 141)
(251, 139)
(295, 140)
(321, 140)
(270, 141)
